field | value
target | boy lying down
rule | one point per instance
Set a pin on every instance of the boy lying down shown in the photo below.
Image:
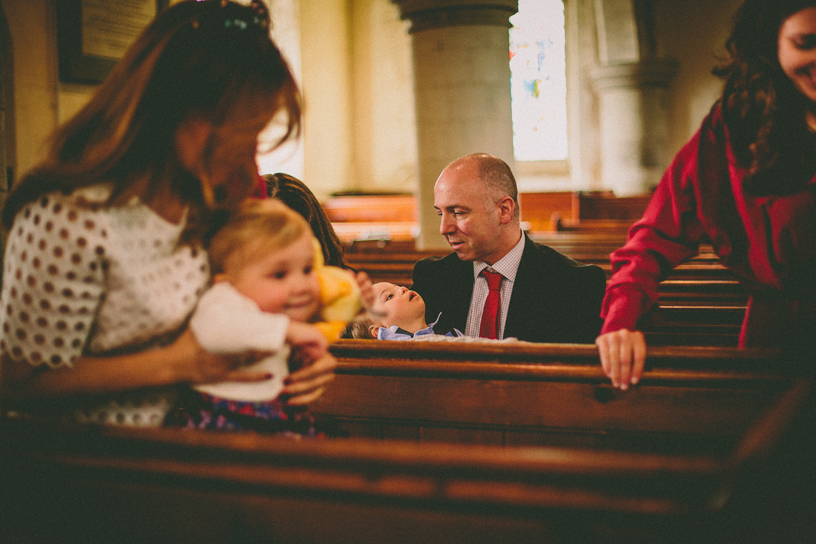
(399, 314)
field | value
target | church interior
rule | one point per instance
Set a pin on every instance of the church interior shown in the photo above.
(444, 442)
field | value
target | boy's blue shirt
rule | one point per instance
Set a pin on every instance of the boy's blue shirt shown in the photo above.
(395, 333)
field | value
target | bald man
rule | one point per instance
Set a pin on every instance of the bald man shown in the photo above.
(544, 296)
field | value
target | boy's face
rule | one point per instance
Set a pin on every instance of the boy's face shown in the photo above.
(282, 282)
(397, 304)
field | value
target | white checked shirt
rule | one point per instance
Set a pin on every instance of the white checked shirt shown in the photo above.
(507, 266)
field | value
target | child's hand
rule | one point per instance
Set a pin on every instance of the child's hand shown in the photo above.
(366, 289)
(307, 342)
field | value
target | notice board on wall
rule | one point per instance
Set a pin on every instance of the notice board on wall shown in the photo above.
(92, 35)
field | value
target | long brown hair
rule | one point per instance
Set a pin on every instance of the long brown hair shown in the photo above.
(295, 194)
(202, 60)
(764, 112)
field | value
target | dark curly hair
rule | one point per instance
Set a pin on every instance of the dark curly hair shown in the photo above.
(761, 107)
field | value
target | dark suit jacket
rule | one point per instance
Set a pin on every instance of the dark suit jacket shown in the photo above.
(555, 299)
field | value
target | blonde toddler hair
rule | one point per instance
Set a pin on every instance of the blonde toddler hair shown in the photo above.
(252, 231)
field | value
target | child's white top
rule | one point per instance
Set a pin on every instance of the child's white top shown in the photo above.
(227, 322)
(81, 279)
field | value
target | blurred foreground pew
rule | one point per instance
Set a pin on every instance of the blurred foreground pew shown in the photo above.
(499, 443)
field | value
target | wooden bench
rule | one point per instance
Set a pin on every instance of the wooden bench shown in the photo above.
(371, 208)
(391, 263)
(586, 248)
(497, 444)
(394, 216)
(701, 302)
(591, 226)
(605, 205)
(352, 232)
(473, 392)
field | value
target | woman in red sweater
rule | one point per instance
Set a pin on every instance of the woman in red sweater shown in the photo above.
(745, 183)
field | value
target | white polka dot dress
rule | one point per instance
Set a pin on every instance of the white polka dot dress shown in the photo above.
(79, 279)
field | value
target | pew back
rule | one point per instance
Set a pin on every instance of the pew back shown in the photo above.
(66, 484)
(514, 393)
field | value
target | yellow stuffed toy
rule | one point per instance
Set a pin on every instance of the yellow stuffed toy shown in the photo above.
(339, 295)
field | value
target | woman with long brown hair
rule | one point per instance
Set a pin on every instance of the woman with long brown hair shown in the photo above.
(106, 253)
(744, 183)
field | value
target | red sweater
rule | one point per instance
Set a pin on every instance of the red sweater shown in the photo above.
(769, 241)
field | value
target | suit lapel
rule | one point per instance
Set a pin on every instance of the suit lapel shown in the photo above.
(460, 292)
(529, 289)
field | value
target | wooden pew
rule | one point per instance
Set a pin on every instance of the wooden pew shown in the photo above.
(471, 392)
(701, 302)
(537, 208)
(591, 226)
(371, 208)
(401, 231)
(605, 205)
(683, 457)
(394, 217)
(398, 265)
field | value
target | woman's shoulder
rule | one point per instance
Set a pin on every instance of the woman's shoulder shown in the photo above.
(715, 120)
(60, 205)
(82, 200)
(91, 206)
(85, 213)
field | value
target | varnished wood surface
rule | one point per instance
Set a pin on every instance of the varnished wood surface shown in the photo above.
(62, 483)
(700, 303)
(514, 393)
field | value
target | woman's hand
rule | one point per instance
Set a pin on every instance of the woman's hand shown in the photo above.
(198, 365)
(311, 363)
(623, 354)
(307, 384)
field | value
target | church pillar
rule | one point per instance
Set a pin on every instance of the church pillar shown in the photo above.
(461, 87)
(631, 84)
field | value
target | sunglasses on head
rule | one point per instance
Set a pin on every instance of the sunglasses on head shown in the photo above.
(233, 16)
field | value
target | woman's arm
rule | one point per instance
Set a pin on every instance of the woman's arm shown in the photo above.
(182, 361)
(668, 233)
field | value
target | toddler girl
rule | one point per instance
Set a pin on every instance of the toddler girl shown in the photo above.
(266, 291)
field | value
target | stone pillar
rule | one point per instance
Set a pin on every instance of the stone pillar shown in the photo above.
(631, 85)
(461, 87)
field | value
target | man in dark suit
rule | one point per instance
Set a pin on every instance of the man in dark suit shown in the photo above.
(543, 296)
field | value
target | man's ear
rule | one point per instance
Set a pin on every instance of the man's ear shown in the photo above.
(374, 331)
(507, 208)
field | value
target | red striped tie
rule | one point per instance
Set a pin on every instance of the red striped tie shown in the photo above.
(489, 327)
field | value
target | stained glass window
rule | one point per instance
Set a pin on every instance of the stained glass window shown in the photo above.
(538, 81)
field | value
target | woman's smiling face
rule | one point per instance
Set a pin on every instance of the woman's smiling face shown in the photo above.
(796, 48)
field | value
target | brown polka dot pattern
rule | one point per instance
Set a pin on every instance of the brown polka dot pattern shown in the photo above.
(82, 280)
